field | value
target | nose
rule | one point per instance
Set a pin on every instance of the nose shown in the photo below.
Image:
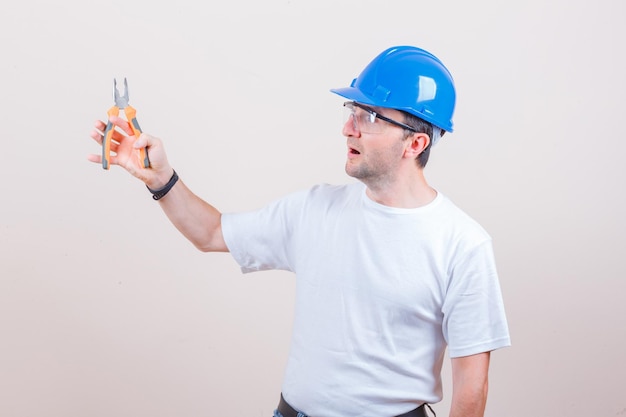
(350, 129)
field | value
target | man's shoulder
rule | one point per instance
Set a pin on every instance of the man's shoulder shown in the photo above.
(460, 221)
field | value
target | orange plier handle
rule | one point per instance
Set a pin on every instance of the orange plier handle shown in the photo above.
(131, 116)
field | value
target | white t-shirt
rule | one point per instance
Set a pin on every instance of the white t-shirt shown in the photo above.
(380, 293)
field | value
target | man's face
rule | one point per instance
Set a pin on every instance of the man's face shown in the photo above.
(373, 157)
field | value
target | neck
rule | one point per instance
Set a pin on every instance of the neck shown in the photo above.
(408, 191)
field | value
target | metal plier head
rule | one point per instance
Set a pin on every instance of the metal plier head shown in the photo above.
(121, 101)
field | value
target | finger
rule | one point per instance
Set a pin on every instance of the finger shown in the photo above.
(98, 133)
(95, 158)
(97, 136)
(122, 124)
(100, 125)
(118, 137)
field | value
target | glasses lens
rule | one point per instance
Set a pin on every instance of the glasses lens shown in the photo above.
(348, 114)
(363, 120)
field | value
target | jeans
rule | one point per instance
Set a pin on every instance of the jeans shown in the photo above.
(277, 414)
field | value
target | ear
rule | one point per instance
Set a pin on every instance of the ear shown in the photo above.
(416, 143)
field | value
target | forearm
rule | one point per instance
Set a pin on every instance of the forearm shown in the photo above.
(469, 385)
(197, 220)
(469, 401)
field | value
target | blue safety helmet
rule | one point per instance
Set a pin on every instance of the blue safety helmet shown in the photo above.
(409, 79)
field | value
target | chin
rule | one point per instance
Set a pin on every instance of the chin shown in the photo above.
(353, 173)
(349, 171)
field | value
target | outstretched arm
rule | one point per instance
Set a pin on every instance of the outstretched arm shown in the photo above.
(469, 385)
(197, 220)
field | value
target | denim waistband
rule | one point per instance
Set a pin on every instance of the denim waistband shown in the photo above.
(286, 410)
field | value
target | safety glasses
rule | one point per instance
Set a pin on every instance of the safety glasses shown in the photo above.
(366, 120)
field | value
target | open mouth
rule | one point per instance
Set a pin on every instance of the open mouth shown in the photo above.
(354, 151)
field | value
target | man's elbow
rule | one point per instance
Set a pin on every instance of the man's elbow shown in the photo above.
(214, 243)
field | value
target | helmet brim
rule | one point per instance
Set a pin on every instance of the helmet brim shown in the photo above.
(353, 94)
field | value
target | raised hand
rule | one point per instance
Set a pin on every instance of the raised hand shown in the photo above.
(125, 149)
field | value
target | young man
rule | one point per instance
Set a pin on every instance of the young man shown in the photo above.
(389, 271)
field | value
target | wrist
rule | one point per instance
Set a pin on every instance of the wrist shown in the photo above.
(160, 191)
(160, 180)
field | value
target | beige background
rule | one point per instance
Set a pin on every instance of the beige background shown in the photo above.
(106, 311)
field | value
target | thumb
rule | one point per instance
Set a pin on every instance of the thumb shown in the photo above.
(144, 140)
(154, 147)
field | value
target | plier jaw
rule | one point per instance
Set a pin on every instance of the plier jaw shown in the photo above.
(121, 102)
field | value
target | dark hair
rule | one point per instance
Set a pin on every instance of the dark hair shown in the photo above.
(422, 126)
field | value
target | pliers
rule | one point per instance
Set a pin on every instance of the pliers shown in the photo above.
(121, 102)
